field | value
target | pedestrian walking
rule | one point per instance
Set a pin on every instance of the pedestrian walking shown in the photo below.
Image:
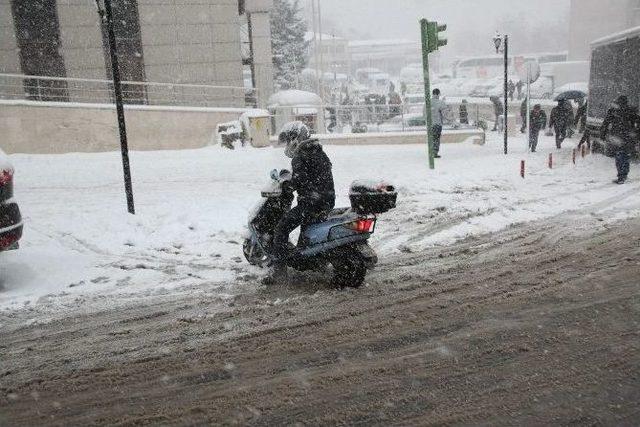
(523, 115)
(511, 88)
(519, 87)
(537, 122)
(559, 122)
(498, 110)
(464, 114)
(580, 123)
(438, 112)
(620, 127)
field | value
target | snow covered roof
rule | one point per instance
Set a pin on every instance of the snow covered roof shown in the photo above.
(612, 38)
(292, 98)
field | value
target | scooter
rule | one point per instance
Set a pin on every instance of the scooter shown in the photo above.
(339, 237)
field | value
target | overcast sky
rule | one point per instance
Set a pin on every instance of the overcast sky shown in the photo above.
(534, 25)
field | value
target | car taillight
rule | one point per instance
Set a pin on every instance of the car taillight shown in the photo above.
(363, 225)
(5, 177)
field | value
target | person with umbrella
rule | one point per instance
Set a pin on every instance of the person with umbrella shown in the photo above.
(559, 121)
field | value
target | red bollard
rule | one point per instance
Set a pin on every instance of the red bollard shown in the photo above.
(550, 160)
(522, 168)
(574, 156)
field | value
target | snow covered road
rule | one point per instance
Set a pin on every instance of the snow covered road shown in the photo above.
(81, 251)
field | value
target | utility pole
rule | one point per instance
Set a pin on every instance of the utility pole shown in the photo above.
(506, 97)
(106, 17)
(431, 42)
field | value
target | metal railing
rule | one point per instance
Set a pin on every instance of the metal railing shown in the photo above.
(68, 89)
(357, 118)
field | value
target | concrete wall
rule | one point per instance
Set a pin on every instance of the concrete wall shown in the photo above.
(258, 12)
(42, 128)
(187, 41)
(81, 40)
(9, 59)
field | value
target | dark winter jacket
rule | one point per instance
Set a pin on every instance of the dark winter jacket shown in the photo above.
(523, 109)
(312, 176)
(623, 123)
(464, 114)
(561, 117)
(581, 117)
(537, 120)
(498, 108)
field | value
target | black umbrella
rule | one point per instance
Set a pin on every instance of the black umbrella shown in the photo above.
(571, 94)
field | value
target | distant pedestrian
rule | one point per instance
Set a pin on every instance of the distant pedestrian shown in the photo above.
(537, 122)
(523, 115)
(498, 110)
(559, 122)
(568, 105)
(511, 88)
(438, 112)
(621, 126)
(519, 87)
(580, 123)
(464, 114)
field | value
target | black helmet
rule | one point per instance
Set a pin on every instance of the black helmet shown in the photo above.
(292, 134)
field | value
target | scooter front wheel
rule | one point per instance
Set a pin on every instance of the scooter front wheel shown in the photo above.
(253, 253)
(349, 269)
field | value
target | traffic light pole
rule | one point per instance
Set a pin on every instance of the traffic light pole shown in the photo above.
(106, 16)
(506, 96)
(424, 24)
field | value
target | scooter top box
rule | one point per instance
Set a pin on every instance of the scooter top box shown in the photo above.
(372, 198)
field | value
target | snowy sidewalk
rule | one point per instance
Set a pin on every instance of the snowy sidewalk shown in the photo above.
(80, 246)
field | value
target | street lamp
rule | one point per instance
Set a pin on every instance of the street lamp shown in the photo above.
(497, 41)
(501, 44)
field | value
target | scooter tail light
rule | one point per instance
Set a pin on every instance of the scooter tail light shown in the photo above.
(363, 225)
(6, 176)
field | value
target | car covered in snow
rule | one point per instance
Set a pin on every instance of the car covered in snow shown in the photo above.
(10, 218)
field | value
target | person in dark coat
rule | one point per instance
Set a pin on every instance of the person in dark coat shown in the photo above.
(621, 125)
(580, 122)
(537, 122)
(312, 179)
(523, 115)
(498, 110)
(560, 120)
(519, 87)
(511, 88)
(464, 114)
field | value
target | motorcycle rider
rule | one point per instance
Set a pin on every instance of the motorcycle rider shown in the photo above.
(312, 179)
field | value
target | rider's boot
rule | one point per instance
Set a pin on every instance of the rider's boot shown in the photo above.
(277, 276)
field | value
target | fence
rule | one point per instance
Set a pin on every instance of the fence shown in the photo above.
(66, 89)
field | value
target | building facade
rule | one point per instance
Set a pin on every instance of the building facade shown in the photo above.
(194, 42)
(593, 19)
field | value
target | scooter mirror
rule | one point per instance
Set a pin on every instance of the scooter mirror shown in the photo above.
(274, 174)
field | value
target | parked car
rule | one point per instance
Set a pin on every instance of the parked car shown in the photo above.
(10, 218)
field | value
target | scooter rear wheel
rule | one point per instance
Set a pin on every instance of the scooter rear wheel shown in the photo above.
(349, 270)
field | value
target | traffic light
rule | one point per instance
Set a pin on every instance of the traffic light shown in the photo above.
(433, 31)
